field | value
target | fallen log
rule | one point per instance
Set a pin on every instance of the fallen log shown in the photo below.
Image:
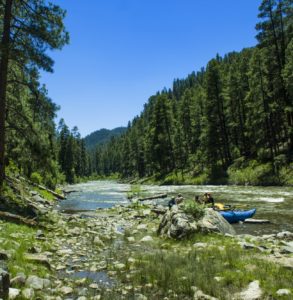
(59, 196)
(17, 219)
(153, 197)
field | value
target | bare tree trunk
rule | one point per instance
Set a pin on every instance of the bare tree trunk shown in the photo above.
(5, 44)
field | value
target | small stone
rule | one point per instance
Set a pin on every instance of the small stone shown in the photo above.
(131, 239)
(18, 280)
(98, 242)
(142, 227)
(218, 279)
(40, 234)
(283, 292)
(94, 286)
(13, 293)
(140, 297)
(147, 238)
(35, 282)
(28, 294)
(47, 283)
(200, 245)
(120, 266)
(253, 291)
(66, 290)
(82, 298)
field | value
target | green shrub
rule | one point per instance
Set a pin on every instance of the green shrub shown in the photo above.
(192, 208)
(36, 178)
(253, 174)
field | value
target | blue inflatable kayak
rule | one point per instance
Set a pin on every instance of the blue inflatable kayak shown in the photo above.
(234, 216)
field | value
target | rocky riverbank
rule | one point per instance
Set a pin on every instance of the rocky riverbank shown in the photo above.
(118, 254)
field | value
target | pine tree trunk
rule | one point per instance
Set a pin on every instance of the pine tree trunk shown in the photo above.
(5, 44)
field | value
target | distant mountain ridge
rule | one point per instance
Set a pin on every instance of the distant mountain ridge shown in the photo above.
(102, 136)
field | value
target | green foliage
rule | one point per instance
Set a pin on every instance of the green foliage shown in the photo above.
(253, 174)
(36, 178)
(193, 208)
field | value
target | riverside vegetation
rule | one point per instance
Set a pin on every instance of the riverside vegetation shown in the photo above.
(231, 122)
(117, 254)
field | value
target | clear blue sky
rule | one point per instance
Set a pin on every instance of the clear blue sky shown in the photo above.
(123, 51)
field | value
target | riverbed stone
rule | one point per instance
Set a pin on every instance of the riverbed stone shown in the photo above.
(285, 235)
(98, 242)
(28, 293)
(18, 280)
(38, 258)
(13, 293)
(35, 282)
(65, 290)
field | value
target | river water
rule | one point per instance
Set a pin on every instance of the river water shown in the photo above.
(272, 203)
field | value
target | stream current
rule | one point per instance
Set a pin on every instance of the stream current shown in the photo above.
(272, 203)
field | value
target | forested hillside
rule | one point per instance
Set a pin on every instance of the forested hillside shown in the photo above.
(102, 136)
(229, 122)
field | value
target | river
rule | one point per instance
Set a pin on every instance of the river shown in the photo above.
(272, 203)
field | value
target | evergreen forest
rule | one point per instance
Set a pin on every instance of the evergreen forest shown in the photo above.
(230, 122)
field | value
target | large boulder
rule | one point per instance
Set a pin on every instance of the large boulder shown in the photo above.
(177, 224)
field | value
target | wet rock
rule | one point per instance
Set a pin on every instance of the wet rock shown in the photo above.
(13, 293)
(34, 282)
(28, 294)
(252, 292)
(283, 292)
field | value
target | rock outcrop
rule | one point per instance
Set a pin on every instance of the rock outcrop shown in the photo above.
(177, 224)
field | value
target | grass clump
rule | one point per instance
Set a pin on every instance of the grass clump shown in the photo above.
(16, 241)
(220, 269)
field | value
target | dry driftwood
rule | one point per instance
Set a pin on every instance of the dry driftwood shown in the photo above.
(153, 197)
(17, 219)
